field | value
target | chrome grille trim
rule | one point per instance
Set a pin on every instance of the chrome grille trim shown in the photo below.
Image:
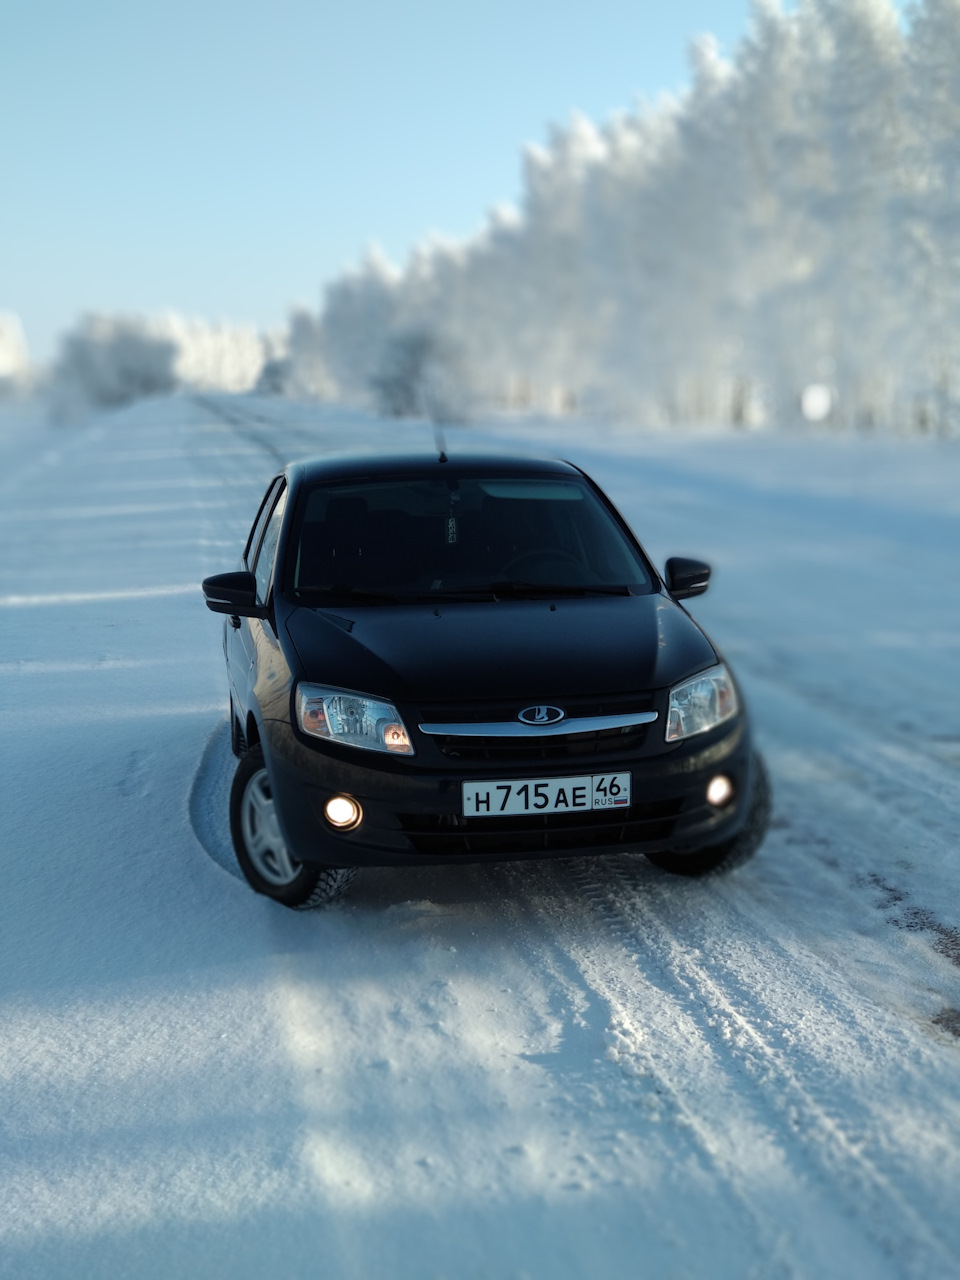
(563, 728)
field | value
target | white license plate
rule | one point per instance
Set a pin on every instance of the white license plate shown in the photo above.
(546, 795)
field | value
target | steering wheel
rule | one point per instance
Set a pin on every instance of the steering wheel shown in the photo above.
(537, 556)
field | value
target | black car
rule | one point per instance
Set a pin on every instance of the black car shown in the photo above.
(470, 659)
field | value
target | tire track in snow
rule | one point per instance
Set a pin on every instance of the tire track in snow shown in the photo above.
(665, 1069)
(244, 424)
(721, 1053)
(885, 817)
(282, 441)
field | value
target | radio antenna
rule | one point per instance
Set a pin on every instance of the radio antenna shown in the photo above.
(440, 442)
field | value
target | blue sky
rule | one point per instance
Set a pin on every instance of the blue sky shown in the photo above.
(226, 160)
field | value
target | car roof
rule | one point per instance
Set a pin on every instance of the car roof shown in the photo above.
(361, 466)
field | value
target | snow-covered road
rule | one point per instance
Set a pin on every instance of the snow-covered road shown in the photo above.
(574, 1069)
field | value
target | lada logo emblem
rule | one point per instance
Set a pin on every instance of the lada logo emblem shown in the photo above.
(541, 715)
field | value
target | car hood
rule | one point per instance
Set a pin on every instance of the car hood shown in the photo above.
(502, 649)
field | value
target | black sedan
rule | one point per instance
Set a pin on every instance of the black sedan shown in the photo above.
(471, 659)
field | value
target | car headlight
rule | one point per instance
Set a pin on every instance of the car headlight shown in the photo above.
(701, 703)
(338, 715)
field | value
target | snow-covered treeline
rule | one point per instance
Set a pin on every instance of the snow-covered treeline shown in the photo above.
(791, 222)
(111, 360)
(783, 236)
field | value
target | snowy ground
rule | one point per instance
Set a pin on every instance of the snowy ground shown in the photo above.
(579, 1069)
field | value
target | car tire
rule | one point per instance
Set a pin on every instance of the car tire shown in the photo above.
(262, 851)
(732, 853)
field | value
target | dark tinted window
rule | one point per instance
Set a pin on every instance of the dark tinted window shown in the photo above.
(262, 515)
(268, 547)
(430, 536)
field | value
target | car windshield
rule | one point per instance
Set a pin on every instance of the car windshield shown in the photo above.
(467, 536)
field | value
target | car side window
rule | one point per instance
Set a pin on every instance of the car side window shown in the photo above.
(266, 506)
(268, 547)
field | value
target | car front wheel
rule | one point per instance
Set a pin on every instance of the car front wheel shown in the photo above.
(261, 850)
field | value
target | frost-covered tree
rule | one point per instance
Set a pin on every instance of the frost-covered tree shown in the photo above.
(214, 356)
(111, 360)
(14, 355)
(560, 321)
(929, 216)
(295, 364)
(356, 324)
(857, 86)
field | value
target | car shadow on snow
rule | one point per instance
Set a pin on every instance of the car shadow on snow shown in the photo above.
(210, 799)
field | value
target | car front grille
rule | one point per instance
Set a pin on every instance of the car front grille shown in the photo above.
(518, 750)
(532, 748)
(543, 833)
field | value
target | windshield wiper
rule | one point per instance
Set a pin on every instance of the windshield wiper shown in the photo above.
(458, 593)
(364, 595)
(360, 594)
(515, 588)
(519, 588)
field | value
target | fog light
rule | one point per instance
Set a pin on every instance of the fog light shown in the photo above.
(719, 791)
(343, 813)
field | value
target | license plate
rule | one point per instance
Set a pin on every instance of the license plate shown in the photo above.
(546, 795)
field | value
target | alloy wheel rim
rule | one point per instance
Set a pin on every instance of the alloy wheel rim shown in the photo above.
(262, 838)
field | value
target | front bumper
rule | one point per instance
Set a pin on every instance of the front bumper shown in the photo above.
(412, 815)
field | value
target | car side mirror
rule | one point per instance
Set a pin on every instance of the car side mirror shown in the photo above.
(234, 593)
(685, 578)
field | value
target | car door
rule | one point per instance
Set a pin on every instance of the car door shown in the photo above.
(250, 635)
